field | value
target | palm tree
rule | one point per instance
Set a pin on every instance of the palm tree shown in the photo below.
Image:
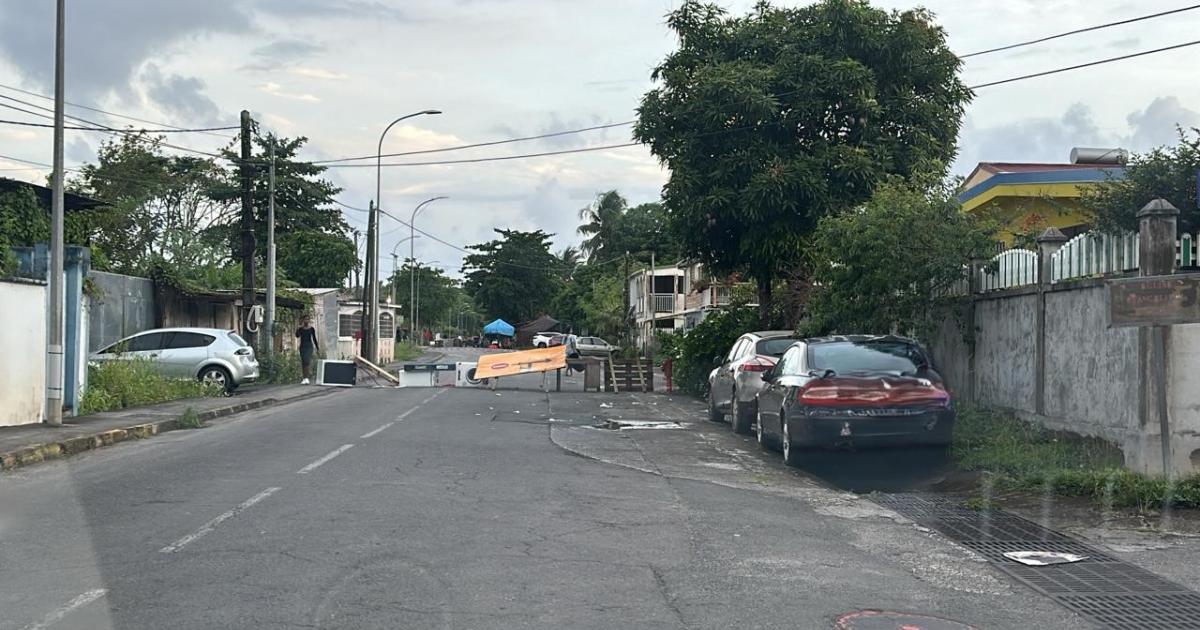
(568, 259)
(602, 220)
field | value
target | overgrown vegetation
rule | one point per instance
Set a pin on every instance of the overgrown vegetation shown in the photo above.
(1168, 172)
(279, 368)
(1022, 456)
(694, 353)
(121, 384)
(189, 419)
(405, 351)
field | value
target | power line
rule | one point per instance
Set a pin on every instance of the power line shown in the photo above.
(480, 144)
(101, 111)
(493, 159)
(1080, 30)
(104, 129)
(1083, 65)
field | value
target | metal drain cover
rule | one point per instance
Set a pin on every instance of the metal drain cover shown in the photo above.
(888, 620)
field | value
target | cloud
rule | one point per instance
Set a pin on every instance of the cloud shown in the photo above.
(78, 151)
(181, 97)
(1155, 125)
(281, 53)
(329, 8)
(275, 89)
(317, 73)
(108, 41)
(557, 123)
(1030, 140)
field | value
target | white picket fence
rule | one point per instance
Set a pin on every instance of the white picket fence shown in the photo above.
(1096, 254)
(1008, 269)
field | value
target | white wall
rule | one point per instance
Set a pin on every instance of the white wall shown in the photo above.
(23, 355)
(1183, 399)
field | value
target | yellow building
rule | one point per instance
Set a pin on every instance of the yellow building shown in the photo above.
(1026, 198)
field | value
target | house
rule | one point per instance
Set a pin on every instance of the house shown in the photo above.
(349, 329)
(673, 298)
(1027, 198)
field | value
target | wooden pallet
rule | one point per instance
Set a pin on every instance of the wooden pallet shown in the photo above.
(630, 375)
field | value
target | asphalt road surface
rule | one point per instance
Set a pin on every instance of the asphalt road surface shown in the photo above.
(467, 508)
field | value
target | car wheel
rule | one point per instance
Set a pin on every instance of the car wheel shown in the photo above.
(217, 375)
(791, 455)
(740, 417)
(541, 345)
(714, 414)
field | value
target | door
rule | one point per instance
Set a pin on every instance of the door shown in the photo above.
(771, 399)
(722, 389)
(184, 352)
(144, 346)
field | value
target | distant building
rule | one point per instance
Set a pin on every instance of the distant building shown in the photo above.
(673, 298)
(1029, 197)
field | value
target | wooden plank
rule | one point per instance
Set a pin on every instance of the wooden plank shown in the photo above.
(1154, 300)
(376, 370)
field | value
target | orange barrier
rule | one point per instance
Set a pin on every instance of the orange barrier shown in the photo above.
(522, 362)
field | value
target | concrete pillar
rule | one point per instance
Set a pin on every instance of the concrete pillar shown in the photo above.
(77, 262)
(1048, 242)
(1156, 257)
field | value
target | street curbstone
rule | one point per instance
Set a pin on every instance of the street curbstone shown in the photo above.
(32, 454)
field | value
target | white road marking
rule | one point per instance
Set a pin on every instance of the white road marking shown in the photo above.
(209, 526)
(375, 432)
(80, 601)
(334, 453)
(418, 405)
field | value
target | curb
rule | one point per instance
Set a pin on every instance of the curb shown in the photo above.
(35, 453)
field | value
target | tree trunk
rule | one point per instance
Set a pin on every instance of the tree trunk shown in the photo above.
(764, 301)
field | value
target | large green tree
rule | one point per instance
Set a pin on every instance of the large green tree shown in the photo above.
(1167, 172)
(514, 277)
(770, 121)
(439, 293)
(892, 262)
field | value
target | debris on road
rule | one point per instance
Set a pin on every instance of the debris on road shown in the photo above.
(1042, 558)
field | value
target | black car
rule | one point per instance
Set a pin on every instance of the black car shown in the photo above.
(853, 390)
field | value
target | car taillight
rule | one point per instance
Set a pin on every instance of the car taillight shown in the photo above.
(757, 364)
(244, 351)
(824, 394)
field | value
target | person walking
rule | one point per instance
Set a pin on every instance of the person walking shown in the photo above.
(308, 345)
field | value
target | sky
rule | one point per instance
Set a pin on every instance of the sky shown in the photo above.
(338, 71)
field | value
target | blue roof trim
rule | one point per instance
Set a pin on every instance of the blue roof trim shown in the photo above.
(1065, 176)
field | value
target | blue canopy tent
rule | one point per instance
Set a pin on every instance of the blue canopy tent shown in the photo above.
(499, 327)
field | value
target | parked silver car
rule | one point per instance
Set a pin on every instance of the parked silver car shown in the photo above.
(209, 354)
(734, 385)
(594, 346)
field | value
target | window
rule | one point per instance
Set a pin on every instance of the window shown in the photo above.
(664, 324)
(385, 326)
(774, 347)
(236, 338)
(148, 341)
(846, 357)
(736, 350)
(789, 365)
(349, 323)
(188, 340)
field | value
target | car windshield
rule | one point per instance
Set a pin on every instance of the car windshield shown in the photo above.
(774, 347)
(847, 357)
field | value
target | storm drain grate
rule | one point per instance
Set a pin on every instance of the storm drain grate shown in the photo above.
(1102, 588)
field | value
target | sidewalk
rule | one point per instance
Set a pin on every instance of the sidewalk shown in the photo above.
(27, 444)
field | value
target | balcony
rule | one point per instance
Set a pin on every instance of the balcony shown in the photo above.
(664, 302)
(716, 296)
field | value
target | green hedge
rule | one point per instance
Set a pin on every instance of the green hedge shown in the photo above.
(692, 352)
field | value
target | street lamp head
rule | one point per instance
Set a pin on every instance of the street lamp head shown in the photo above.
(432, 112)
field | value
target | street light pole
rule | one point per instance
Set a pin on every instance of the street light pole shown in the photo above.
(417, 297)
(412, 299)
(371, 297)
(396, 272)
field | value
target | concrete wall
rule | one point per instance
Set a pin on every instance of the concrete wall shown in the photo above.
(952, 354)
(23, 361)
(1006, 351)
(1091, 380)
(1183, 397)
(124, 306)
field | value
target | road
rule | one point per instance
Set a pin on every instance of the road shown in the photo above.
(465, 508)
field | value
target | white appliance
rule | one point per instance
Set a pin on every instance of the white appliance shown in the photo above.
(336, 373)
(464, 375)
(409, 378)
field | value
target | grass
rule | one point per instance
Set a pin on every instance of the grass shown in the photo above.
(190, 419)
(280, 368)
(1023, 456)
(120, 384)
(407, 351)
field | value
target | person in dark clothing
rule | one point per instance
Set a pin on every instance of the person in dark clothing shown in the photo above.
(308, 345)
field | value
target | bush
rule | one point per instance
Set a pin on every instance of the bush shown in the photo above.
(692, 351)
(121, 384)
(280, 367)
(1024, 456)
(405, 351)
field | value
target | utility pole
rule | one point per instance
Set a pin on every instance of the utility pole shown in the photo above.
(370, 303)
(625, 291)
(248, 240)
(54, 337)
(269, 319)
(357, 278)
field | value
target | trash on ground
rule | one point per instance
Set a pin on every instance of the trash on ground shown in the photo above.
(606, 405)
(1042, 558)
(622, 425)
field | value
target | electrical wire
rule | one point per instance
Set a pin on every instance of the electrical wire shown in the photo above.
(492, 159)
(480, 144)
(101, 111)
(104, 129)
(1083, 65)
(1080, 30)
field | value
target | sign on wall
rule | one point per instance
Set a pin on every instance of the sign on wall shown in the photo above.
(1154, 300)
